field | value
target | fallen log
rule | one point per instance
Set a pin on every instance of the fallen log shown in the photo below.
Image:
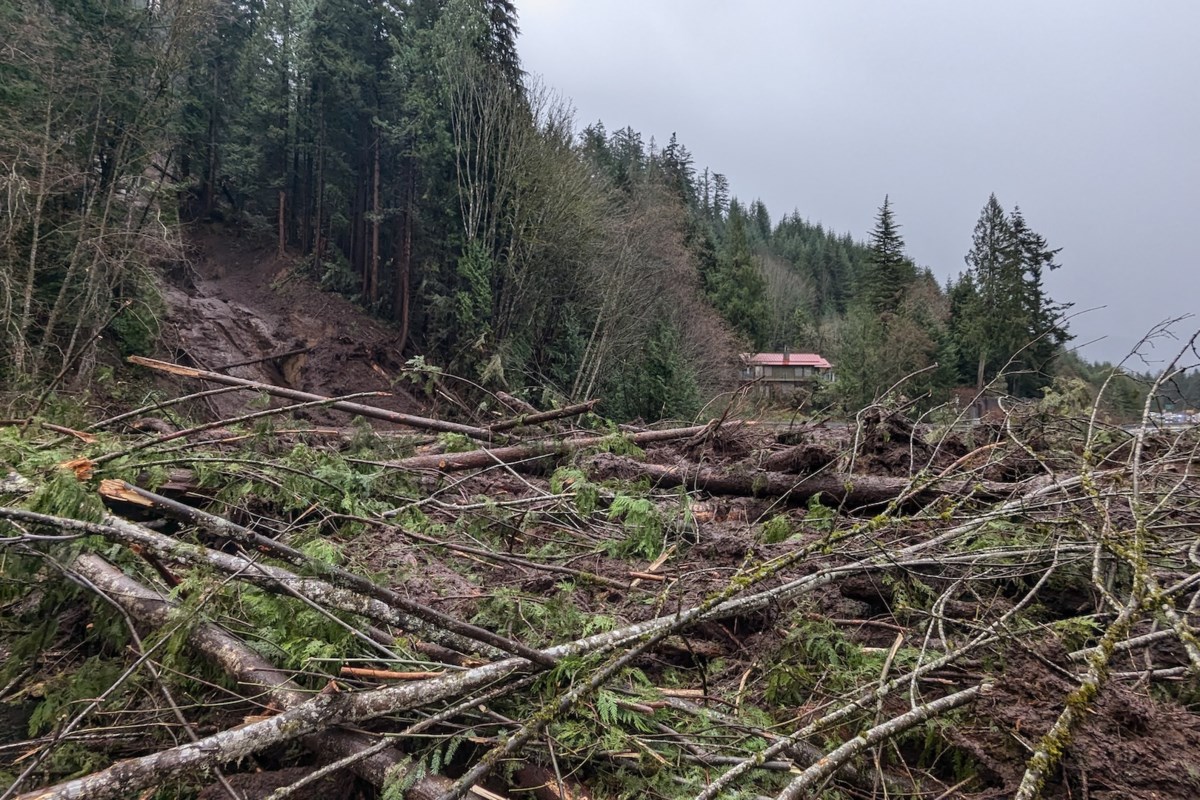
(126, 492)
(217, 424)
(533, 451)
(516, 404)
(539, 417)
(372, 412)
(258, 679)
(853, 490)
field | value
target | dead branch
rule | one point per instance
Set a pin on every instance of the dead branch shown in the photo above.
(387, 674)
(143, 410)
(852, 490)
(537, 418)
(299, 351)
(373, 412)
(208, 426)
(806, 781)
(503, 558)
(478, 459)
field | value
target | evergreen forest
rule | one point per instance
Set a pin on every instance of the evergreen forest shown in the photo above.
(400, 150)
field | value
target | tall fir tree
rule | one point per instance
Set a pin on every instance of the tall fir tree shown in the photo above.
(997, 314)
(889, 273)
(738, 289)
(1046, 331)
(679, 173)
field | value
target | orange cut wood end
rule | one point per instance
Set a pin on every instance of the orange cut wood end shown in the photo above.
(82, 467)
(119, 490)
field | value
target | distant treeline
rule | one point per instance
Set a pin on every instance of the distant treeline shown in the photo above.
(402, 151)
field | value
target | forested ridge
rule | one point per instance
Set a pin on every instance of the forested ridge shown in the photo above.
(373, 428)
(400, 150)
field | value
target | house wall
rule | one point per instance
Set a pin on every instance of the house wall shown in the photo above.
(790, 372)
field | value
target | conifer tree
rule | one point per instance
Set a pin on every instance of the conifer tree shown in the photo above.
(1004, 321)
(761, 219)
(738, 290)
(720, 196)
(1046, 331)
(997, 314)
(889, 273)
(678, 171)
(500, 46)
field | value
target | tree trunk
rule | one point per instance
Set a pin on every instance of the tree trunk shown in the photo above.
(22, 338)
(319, 199)
(854, 490)
(373, 294)
(282, 228)
(404, 262)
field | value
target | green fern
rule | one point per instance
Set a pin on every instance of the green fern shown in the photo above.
(813, 652)
(587, 494)
(643, 525)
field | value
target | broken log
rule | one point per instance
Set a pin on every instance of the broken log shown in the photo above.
(258, 679)
(516, 404)
(538, 417)
(372, 412)
(533, 451)
(854, 490)
(126, 492)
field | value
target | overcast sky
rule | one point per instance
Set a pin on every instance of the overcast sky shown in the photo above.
(1084, 113)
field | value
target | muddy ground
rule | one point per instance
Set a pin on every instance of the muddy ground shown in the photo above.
(235, 300)
(515, 548)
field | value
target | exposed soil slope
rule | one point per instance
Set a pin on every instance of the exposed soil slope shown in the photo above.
(238, 301)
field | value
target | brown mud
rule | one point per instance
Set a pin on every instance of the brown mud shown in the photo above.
(514, 549)
(237, 301)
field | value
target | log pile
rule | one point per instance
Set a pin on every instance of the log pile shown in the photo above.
(570, 612)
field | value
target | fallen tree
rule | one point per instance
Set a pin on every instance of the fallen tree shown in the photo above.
(535, 451)
(837, 488)
(575, 609)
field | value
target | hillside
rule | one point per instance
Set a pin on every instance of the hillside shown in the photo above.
(234, 302)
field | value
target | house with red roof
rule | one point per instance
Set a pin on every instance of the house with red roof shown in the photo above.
(785, 372)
